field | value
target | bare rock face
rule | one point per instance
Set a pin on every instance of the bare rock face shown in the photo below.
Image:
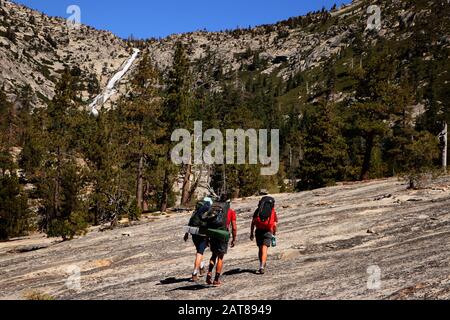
(287, 47)
(323, 252)
(35, 49)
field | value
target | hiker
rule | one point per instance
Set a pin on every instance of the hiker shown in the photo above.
(265, 221)
(200, 241)
(219, 247)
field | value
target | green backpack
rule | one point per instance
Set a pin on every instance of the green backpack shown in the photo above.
(217, 216)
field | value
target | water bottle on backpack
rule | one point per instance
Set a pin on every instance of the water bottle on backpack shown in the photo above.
(192, 230)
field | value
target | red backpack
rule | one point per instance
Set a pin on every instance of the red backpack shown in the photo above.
(265, 214)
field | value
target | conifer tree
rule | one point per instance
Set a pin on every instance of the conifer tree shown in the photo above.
(141, 125)
(14, 213)
(370, 114)
(30, 136)
(325, 150)
(402, 131)
(423, 152)
(177, 114)
(8, 129)
(105, 160)
(61, 180)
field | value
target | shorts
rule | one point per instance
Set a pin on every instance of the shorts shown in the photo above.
(201, 243)
(218, 246)
(263, 237)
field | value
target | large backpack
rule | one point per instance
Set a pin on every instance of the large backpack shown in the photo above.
(217, 216)
(197, 219)
(265, 213)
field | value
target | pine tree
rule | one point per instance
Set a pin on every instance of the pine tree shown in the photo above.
(325, 150)
(423, 152)
(106, 175)
(370, 114)
(7, 132)
(25, 98)
(292, 141)
(177, 114)
(330, 72)
(30, 134)
(32, 154)
(142, 126)
(61, 181)
(62, 208)
(437, 92)
(400, 101)
(14, 213)
(93, 87)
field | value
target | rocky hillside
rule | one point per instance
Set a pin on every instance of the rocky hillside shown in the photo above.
(35, 48)
(295, 45)
(329, 240)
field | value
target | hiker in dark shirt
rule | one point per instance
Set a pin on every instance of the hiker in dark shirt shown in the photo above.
(200, 242)
(219, 248)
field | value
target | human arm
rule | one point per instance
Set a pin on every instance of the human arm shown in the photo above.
(234, 232)
(275, 225)
(252, 228)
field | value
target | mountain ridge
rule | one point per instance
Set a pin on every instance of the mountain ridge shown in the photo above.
(284, 48)
(35, 49)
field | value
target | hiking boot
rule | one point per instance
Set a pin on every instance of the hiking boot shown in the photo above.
(217, 283)
(261, 271)
(209, 279)
(194, 278)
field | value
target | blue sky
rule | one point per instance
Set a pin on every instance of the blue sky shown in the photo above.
(150, 18)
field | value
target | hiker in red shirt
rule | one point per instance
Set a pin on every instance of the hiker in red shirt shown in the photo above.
(219, 248)
(265, 221)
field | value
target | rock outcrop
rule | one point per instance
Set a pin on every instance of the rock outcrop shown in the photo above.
(324, 252)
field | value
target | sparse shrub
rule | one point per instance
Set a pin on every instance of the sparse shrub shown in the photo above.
(75, 225)
(134, 213)
(282, 34)
(37, 296)
(423, 152)
(51, 41)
